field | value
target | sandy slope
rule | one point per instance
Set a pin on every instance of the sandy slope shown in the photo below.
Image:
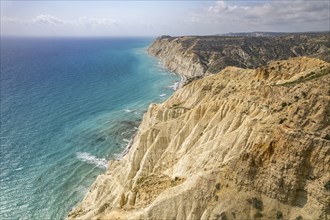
(241, 144)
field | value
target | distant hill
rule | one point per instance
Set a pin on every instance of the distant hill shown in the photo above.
(270, 34)
(195, 56)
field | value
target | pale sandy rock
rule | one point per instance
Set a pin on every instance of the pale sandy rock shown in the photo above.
(241, 144)
(177, 58)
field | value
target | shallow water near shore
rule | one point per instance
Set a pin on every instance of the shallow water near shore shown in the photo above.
(68, 106)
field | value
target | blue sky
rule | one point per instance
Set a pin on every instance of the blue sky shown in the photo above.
(153, 18)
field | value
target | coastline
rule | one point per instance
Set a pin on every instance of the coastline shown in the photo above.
(86, 97)
(189, 147)
(174, 87)
(197, 56)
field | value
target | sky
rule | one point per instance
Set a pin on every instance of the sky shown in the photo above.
(154, 18)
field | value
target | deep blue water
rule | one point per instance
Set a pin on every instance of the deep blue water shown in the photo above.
(67, 107)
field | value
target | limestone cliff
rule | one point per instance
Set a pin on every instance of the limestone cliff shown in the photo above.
(193, 57)
(241, 144)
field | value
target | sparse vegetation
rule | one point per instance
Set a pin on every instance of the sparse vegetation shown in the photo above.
(327, 185)
(327, 137)
(258, 215)
(282, 120)
(214, 53)
(313, 75)
(279, 215)
(178, 106)
(218, 186)
(256, 203)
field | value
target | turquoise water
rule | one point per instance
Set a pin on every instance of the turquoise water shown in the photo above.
(68, 106)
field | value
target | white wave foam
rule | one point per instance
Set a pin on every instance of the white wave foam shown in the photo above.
(118, 156)
(128, 110)
(82, 190)
(162, 95)
(175, 86)
(126, 140)
(88, 158)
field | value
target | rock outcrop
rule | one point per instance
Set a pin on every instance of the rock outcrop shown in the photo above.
(240, 144)
(194, 57)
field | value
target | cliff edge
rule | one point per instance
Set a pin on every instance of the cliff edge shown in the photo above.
(241, 144)
(197, 56)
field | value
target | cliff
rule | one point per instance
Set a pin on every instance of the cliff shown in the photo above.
(241, 144)
(193, 57)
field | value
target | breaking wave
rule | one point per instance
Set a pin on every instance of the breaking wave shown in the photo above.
(91, 159)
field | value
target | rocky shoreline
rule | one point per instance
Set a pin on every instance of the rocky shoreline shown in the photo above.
(240, 144)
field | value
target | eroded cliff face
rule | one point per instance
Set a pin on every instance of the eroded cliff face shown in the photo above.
(194, 57)
(241, 144)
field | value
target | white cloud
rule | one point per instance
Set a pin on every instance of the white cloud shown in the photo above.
(204, 18)
(50, 20)
(45, 24)
(47, 19)
(218, 7)
(274, 12)
(221, 7)
(94, 22)
(287, 14)
(6, 19)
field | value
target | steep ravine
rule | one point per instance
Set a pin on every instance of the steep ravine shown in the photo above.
(241, 144)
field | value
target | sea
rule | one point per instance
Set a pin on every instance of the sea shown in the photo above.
(68, 106)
